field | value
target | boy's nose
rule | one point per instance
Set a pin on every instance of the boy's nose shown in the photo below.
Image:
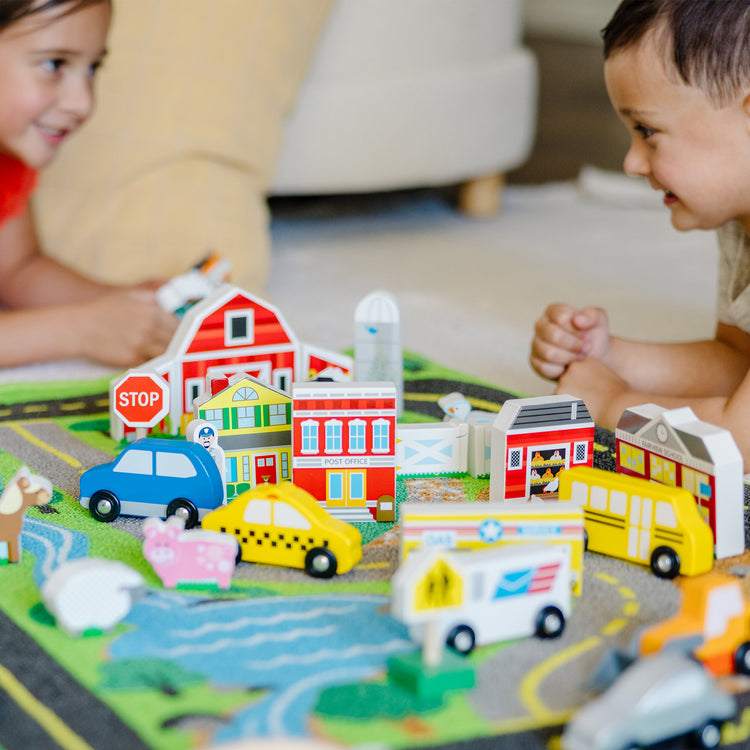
(636, 164)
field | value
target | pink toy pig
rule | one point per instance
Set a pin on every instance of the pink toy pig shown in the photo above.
(196, 555)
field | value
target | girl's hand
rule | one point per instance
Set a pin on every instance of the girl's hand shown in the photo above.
(125, 328)
(564, 335)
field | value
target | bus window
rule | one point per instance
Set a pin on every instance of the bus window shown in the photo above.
(598, 499)
(665, 515)
(618, 502)
(579, 493)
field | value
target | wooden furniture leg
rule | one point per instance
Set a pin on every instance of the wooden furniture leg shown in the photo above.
(482, 196)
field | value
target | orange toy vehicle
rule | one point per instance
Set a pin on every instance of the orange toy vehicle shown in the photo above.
(713, 624)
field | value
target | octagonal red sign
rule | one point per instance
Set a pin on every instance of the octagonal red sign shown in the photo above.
(141, 399)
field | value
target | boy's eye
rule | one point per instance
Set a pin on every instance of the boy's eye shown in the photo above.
(94, 67)
(644, 131)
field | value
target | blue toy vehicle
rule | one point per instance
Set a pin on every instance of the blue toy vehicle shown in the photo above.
(154, 477)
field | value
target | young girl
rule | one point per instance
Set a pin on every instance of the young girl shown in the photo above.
(49, 53)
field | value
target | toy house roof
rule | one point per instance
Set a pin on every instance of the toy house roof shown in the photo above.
(233, 388)
(678, 430)
(544, 412)
(203, 329)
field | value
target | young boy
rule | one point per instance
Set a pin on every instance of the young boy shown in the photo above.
(678, 75)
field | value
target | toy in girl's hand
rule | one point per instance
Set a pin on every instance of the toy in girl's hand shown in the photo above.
(182, 291)
(20, 492)
(194, 556)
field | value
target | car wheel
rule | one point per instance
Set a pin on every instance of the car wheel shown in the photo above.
(550, 623)
(320, 563)
(709, 735)
(462, 639)
(104, 506)
(665, 562)
(585, 540)
(742, 658)
(185, 510)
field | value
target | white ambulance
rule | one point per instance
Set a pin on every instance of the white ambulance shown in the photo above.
(467, 599)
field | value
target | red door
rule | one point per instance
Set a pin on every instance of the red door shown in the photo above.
(265, 470)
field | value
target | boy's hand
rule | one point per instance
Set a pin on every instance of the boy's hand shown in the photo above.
(125, 328)
(564, 335)
(601, 389)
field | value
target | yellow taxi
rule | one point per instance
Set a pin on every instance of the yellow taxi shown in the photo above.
(282, 524)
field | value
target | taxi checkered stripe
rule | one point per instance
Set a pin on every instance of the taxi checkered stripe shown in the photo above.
(277, 539)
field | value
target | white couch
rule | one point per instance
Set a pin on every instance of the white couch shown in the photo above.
(413, 93)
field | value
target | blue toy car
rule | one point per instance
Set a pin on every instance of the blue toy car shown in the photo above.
(154, 477)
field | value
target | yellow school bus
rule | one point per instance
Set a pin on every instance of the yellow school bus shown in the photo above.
(640, 521)
(474, 526)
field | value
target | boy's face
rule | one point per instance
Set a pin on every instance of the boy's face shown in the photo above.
(699, 155)
(47, 66)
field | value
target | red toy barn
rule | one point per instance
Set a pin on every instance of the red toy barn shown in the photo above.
(344, 447)
(533, 439)
(227, 333)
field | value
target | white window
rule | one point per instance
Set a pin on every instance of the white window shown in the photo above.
(245, 417)
(515, 458)
(258, 512)
(277, 414)
(598, 498)
(665, 515)
(245, 394)
(310, 436)
(239, 327)
(580, 452)
(618, 502)
(174, 465)
(357, 436)
(381, 436)
(288, 517)
(215, 417)
(333, 428)
(135, 462)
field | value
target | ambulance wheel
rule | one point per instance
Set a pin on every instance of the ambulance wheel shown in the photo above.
(185, 510)
(320, 563)
(665, 562)
(742, 658)
(104, 506)
(709, 735)
(462, 639)
(550, 623)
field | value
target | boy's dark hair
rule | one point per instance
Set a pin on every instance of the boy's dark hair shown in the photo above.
(709, 40)
(12, 11)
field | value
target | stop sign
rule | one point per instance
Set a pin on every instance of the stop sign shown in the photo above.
(141, 399)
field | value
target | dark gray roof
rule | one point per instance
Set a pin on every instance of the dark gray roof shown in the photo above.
(560, 413)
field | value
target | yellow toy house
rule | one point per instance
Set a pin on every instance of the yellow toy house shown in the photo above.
(254, 423)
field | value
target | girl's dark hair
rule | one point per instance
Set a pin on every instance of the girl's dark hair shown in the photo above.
(707, 41)
(12, 11)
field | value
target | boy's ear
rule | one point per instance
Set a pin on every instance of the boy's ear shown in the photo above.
(746, 108)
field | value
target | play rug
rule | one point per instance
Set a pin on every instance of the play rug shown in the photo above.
(278, 654)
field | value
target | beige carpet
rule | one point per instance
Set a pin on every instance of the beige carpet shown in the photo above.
(470, 290)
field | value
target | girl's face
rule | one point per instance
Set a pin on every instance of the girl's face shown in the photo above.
(47, 66)
(698, 154)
